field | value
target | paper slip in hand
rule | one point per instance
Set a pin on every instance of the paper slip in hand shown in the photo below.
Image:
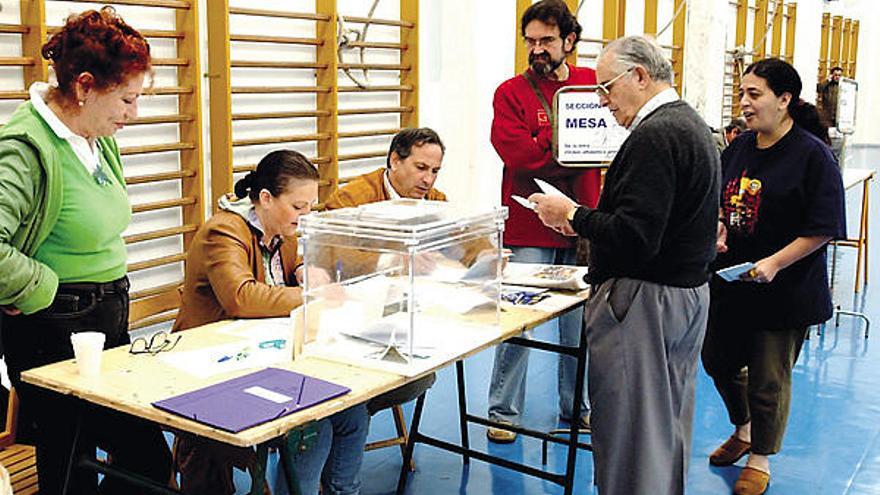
(733, 273)
(550, 189)
(523, 201)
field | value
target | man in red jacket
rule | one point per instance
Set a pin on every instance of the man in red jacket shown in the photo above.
(522, 134)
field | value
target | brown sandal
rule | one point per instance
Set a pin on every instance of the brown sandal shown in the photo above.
(729, 452)
(752, 481)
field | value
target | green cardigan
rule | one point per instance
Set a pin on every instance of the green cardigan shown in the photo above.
(30, 201)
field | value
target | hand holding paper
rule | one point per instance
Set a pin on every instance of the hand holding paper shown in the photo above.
(735, 272)
(553, 211)
(553, 207)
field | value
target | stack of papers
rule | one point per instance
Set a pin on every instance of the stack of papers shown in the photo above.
(565, 277)
(403, 211)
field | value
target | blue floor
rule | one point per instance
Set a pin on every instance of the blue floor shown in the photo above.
(832, 445)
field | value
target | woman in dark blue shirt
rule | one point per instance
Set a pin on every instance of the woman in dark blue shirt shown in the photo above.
(781, 202)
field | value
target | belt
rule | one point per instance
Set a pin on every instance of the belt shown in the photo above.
(118, 286)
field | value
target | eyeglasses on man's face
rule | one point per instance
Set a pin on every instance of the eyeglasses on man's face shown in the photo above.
(604, 88)
(545, 41)
(158, 342)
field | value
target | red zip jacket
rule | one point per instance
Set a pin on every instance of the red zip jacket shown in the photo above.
(522, 136)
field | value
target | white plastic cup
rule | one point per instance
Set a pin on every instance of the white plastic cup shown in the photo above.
(87, 349)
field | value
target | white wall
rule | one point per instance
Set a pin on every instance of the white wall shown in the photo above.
(463, 59)
(704, 58)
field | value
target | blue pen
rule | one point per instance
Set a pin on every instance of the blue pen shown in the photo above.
(302, 385)
(240, 356)
(339, 271)
(277, 344)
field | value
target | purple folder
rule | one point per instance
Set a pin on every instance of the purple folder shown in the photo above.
(249, 400)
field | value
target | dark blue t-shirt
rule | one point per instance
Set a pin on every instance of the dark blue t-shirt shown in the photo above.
(770, 197)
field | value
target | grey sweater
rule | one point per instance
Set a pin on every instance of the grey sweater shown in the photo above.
(657, 217)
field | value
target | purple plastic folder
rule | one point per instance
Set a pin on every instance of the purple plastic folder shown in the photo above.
(246, 401)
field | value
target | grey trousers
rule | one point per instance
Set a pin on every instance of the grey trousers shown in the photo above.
(644, 341)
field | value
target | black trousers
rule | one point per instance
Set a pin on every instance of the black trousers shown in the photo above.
(752, 372)
(48, 419)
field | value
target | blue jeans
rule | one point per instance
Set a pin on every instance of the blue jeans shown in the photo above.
(334, 461)
(507, 390)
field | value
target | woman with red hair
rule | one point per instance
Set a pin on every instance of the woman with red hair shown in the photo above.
(63, 208)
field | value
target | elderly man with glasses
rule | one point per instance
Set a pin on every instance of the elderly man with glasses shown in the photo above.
(653, 236)
(522, 134)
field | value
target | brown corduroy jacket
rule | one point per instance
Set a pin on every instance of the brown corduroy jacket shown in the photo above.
(368, 188)
(225, 277)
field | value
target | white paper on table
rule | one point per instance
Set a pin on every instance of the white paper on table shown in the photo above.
(218, 359)
(457, 298)
(448, 339)
(556, 303)
(538, 275)
(448, 272)
(260, 329)
(342, 318)
(452, 271)
(508, 288)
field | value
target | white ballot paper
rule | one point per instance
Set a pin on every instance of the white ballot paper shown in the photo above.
(523, 201)
(550, 189)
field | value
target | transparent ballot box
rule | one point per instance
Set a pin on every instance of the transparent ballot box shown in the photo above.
(403, 285)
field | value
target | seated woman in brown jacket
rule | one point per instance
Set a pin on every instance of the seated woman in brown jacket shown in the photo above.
(242, 264)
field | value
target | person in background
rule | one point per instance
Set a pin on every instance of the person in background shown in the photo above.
(653, 236)
(243, 263)
(782, 201)
(522, 134)
(728, 133)
(733, 129)
(826, 93)
(63, 209)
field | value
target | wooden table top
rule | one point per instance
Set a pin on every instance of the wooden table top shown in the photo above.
(131, 383)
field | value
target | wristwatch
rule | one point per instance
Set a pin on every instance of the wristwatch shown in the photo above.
(571, 214)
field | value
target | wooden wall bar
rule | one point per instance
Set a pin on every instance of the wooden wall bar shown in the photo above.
(327, 102)
(776, 39)
(327, 89)
(678, 32)
(770, 22)
(759, 41)
(836, 38)
(790, 23)
(854, 49)
(839, 46)
(824, 44)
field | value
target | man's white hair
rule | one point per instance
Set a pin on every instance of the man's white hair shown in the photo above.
(631, 51)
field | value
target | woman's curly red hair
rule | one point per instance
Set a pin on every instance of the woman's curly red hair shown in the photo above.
(98, 42)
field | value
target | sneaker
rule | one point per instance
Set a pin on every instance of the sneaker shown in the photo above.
(500, 435)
